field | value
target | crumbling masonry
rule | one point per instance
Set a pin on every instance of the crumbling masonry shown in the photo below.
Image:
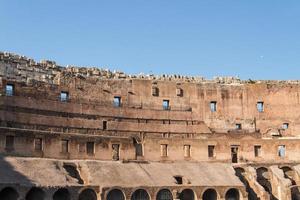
(75, 133)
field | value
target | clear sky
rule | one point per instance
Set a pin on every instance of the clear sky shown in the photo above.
(257, 39)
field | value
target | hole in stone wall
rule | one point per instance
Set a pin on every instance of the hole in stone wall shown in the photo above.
(104, 125)
(140, 194)
(238, 126)
(232, 194)
(239, 172)
(64, 96)
(9, 90)
(87, 194)
(178, 180)
(213, 106)
(211, 151)
(187, 194)
(257, 151)
(281, 151)
(166, 104)
(164, 194)
(115, 194)
(90, 148)
(117, 101)
(285, 126)
(210, 194)
(35, 194)
(9, 142)
(62, 194)
(260, 106)
(73, 172)
(9, 193)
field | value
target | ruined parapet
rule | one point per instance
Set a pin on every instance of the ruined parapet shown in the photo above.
(23, 69)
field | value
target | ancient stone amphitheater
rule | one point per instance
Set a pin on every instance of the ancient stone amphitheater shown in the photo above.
(76, 133)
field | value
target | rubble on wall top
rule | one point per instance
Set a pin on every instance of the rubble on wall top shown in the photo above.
(48, 70)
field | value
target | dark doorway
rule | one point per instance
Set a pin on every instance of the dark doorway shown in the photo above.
(87, 194)
(35, 194)
(140, 195)
(115, 195)
(234, 154)
(232, 194)
(62, 194)
(210, 194)
(164, 195)
(9, 194)
(187, 194)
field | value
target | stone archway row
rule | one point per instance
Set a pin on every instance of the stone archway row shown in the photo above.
(36, 193)
(166, 194)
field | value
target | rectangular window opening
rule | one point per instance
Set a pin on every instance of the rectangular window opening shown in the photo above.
(38, 144)
(260, 106)
(178, 180)
(64, 146)
(213, 106)
(9, 90)
(187, 151)
(164, 150)
(285, 126)
(257, 151)
(90, 148)
(166, 104)
(179, 92)
(64, 96)
(211, 151)
(116, 151)
(117, 101)
(234, 153)
(104, 125)
(238, 126)
(9, 143)
(155, 91)
(281, 151)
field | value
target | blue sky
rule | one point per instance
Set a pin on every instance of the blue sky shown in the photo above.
(251, 39)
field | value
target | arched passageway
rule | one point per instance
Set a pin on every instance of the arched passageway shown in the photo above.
(290, 174)
(140, 194)
(9, 193)
(187, 194)
(87, 194)
(240, 172)
(164, 194)
(210, 194)
(232, 194)
(115, 194)
(35, 194)
(62, 194)
(263, 178)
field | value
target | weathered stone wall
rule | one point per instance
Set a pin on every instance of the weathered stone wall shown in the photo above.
(143, 129)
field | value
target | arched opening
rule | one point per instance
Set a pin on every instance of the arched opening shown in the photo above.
(263, 178)
(140, 194)
(115, 194)
(87, 194)
(164, 194)
(210, 194)
(290, 174)
(232, 194)
(240, 172)
(187, 194)
(62, 194)
(35, 194)
(9, 193)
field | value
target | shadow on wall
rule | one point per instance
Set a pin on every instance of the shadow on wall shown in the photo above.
(10, 181)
